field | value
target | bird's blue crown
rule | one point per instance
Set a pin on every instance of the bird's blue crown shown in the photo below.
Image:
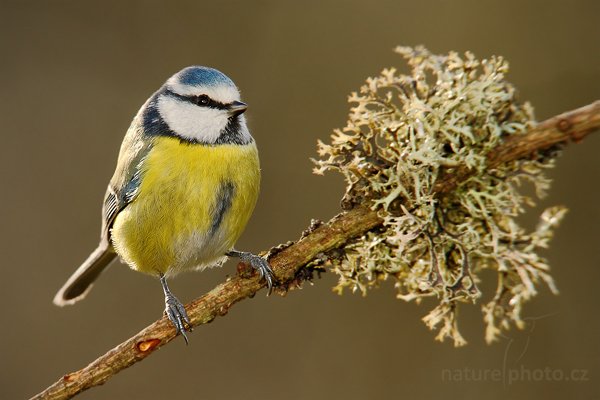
(203, 76)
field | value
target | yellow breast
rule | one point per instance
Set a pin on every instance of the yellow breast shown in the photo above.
(193, 204)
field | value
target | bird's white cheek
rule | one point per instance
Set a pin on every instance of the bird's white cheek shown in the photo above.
(189, 121)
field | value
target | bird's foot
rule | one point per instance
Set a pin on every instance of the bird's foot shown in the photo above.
(176, 311)
(177, 315)
(258, 263)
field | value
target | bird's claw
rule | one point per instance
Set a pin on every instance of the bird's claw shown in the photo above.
(178, 316)
(264, 269)
(258, 263)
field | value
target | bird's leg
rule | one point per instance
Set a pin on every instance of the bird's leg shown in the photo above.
(175, 310)
(258, 263)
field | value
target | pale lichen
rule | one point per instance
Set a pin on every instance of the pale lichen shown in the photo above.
(404, 134)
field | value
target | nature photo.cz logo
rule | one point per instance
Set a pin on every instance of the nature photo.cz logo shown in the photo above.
(514, 375)
(519, 373)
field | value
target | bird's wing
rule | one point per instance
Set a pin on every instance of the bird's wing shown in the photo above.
(124, 185)
(116, 200)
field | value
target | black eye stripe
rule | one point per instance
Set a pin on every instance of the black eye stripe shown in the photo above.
(202, 100)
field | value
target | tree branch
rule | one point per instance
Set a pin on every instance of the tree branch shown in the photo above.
(286, 263)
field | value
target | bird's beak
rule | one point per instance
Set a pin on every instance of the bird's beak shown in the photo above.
(236, 108)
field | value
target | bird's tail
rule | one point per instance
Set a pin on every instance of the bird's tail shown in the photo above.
(81, 281)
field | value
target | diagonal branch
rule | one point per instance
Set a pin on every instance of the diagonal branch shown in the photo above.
(538, 142)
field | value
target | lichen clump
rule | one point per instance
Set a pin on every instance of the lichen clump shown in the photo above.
(405, 135)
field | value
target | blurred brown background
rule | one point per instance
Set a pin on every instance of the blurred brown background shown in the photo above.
(73, 74)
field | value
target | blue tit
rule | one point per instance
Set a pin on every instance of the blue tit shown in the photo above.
(185, 185)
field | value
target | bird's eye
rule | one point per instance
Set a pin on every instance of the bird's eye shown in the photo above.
(202, 100)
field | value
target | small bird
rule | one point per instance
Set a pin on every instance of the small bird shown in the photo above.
(185, 185)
